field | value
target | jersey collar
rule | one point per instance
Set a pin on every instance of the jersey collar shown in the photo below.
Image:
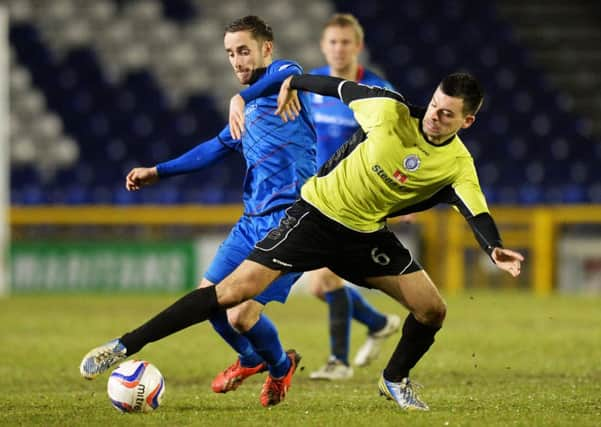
(445, 142)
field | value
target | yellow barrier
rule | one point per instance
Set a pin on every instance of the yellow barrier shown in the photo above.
(532, 229)
(126, 215)
(446, 236)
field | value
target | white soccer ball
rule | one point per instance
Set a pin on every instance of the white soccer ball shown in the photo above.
(136, 386)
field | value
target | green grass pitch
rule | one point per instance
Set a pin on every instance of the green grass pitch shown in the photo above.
(502, 359)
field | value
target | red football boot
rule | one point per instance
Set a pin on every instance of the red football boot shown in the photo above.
(274, 390)
(233, 376)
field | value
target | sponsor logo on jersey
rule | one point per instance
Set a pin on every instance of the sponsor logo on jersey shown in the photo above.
(399, 176)
(393, 182)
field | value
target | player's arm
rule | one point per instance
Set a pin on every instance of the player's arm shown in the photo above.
(345, 90)
(202, 155)
(466, 195)
(267, 86)
(487, 234)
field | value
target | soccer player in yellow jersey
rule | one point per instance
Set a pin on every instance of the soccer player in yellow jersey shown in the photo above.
(404, 160)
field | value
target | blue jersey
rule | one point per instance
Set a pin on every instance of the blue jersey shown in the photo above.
(334, 120)
(279, 156)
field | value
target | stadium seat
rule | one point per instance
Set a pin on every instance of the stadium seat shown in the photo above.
(99, 87)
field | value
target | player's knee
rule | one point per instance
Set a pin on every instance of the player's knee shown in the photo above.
(230, 294)
(235, 291)
(434, 314)
(204, 283)
(241, 321)
(316, 290)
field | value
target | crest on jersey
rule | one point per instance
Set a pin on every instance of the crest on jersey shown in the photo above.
(411, 162)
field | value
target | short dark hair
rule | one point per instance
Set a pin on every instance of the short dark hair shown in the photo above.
(257, 27)
(466, 87)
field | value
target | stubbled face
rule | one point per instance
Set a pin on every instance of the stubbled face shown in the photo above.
(246, 54)
(444, 117)
(340, 47)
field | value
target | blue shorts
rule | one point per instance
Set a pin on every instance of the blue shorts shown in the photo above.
(239, 244)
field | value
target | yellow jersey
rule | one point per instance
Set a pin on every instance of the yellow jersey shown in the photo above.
(394, 170)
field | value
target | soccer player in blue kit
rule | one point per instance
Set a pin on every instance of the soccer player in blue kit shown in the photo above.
(279, 159)
(341, 44)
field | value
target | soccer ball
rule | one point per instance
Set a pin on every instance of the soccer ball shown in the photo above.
(136, 386)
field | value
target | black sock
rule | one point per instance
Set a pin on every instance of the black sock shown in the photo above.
(415, 342)
(340, 320)
(192, 308)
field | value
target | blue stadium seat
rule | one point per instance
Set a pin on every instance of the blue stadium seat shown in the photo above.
(525, 144)
(527, 147)
(119, 125)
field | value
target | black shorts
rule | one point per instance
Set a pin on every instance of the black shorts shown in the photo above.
(306, 240)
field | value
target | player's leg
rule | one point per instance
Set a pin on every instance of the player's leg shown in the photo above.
(380, 327)
(379, 260)
(250, 321)
(419, 295)
(253, 335)
(323, 283)
(264, 337)
(346, 303)
(416, 291)
(247, 281)
(232, 251)
(248, 362)
(365, 313)
(292, 244)
(247, 356)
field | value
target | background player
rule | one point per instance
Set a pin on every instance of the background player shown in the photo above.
(341, 44)
(278, 159)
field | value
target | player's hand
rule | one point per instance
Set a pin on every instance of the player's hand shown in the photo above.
(141, 177)
(288, 103)
(508, 260)
(237, 105)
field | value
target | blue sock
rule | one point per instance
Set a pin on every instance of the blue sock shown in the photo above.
(340, 308)
(265, 340)
(364, 312)
(248, 356)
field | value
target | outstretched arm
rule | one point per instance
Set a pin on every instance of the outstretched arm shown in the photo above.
(487, 235)
(467, 196)
(197, 158)
(204, 154)
(346, 90)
